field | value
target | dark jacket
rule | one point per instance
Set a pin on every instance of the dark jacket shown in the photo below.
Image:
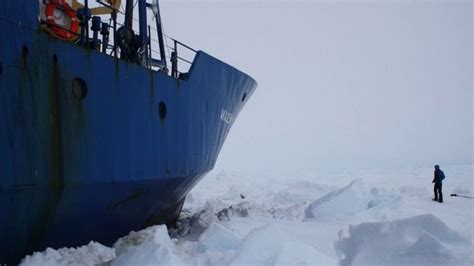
(438, 176)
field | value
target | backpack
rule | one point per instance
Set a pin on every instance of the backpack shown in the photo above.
(441, 175)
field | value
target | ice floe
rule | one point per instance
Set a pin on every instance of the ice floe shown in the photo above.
(351, 219)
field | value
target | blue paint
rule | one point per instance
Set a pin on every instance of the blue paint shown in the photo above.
(75, 170)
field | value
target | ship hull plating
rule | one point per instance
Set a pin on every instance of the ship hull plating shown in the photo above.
(92, 147)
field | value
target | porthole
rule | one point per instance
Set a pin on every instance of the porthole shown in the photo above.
(79, 88)
(162, 110)
(244, 97)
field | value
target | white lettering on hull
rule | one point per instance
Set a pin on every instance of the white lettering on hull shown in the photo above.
(226, 116)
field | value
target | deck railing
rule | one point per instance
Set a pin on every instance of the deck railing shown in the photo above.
(180, 55)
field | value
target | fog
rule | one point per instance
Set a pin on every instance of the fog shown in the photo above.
(341, 84)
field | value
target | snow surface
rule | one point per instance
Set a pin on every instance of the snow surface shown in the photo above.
(371, 217)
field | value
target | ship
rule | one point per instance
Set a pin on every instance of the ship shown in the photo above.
(103, 128)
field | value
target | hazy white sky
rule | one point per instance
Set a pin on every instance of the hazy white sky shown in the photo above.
(341, 84)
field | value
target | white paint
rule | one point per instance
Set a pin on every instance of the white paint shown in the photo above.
(226, 116)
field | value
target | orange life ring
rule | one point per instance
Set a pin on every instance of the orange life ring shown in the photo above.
(59, 31)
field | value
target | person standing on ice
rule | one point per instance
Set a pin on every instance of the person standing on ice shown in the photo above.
(438, 184)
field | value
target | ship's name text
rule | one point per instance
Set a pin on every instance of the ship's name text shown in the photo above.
(226, 116)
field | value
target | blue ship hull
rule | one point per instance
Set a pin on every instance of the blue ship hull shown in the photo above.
(123, 158)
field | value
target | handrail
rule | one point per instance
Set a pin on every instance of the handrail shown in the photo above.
(182, 44)
(143, 57)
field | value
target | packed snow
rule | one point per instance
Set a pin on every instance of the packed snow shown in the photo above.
(378, 217)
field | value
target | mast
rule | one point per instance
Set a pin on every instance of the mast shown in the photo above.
(129, 15)
(143, 27)
(156, 11)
